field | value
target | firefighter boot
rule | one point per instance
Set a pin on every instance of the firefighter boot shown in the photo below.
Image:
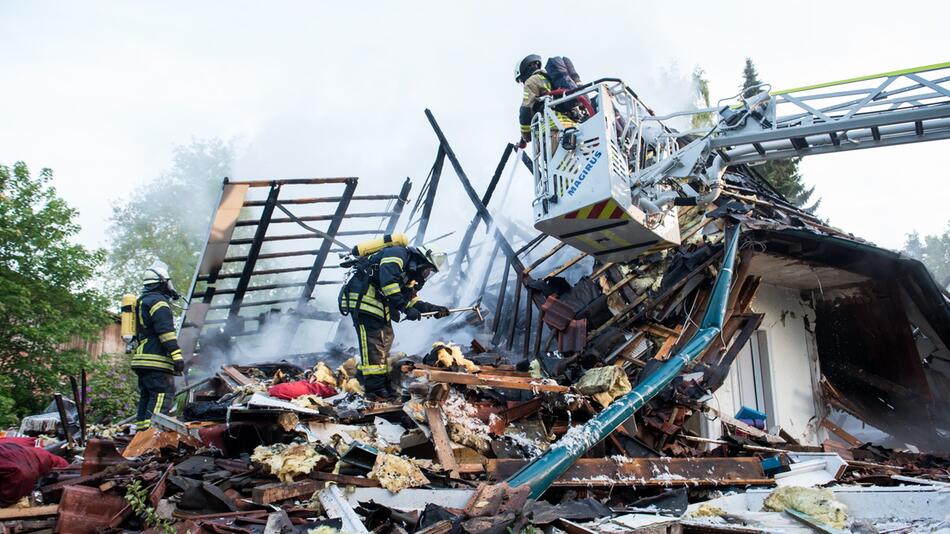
(377, 387)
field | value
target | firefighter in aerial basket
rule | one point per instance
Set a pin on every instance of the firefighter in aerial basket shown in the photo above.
(385, 277)
(149, 328)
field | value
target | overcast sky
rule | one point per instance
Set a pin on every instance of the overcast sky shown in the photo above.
(101, 91)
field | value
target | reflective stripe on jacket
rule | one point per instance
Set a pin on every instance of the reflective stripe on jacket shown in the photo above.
(536, 86)
(157, 347)
(389, 289)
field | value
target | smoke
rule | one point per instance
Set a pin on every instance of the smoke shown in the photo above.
(360, 113)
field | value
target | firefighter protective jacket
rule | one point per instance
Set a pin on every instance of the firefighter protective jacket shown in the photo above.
(157, 347)
(387, 285)
(536, 86)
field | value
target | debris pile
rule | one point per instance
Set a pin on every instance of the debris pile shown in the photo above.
(435, 461)
(806, 405)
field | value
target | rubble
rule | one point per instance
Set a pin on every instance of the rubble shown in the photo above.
(765, 413)
(396, 473)
(604, 384)
(287, 462)
(816, 502)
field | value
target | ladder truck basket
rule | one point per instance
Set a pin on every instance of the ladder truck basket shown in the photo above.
(583, 164)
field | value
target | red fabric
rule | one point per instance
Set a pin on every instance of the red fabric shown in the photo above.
(24, 442)
(21, 466)
(292, 390)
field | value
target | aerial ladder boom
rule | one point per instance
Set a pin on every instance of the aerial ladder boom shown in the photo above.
(609, 182)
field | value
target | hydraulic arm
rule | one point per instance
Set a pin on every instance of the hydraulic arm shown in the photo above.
(609, 184)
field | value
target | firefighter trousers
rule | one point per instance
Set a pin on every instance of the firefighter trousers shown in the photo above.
(375, 338)
(156, 393)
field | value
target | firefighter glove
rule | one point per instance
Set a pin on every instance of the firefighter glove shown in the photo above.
(440, 311)
(179, 367)
(522, 143)
(413, 314)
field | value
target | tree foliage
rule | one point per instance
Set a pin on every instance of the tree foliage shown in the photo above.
(933, 251)
(113, 389)
(46, 296)
(750, 79)
(167, 218)
(783, 175)
(701, 86)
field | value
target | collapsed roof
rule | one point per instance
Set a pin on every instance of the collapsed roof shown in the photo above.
(881, 324)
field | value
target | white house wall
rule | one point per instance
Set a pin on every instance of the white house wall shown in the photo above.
(788, 346)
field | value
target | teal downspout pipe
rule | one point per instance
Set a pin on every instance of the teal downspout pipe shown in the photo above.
(544, 470)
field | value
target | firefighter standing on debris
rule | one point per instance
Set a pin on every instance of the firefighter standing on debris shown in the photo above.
(383, 288)
(156, 357)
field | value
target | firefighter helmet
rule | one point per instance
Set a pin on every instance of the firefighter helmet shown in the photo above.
(432, 256)
(526, 67)
(157, 275)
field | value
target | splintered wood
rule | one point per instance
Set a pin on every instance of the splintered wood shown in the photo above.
(503, 382)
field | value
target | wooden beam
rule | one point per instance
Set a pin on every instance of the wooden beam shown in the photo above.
(660, 330)
(346, 480)
(281, 491)
(530, 384)
(23, 513)
(237, 376)
(735, 423)
(570, 263)
(543, 257)
(442, 527)
(441, 441)
(841, 433)
(664, 351)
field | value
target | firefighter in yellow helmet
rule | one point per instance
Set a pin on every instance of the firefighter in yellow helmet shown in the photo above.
(156, 357)
(383, 288)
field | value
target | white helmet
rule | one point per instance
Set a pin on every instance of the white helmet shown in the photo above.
(433, 256)
(157, 273)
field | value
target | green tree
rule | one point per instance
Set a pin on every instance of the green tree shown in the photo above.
(750, 78)
(933, 251)
(167, 218)
(701, 86)
(783, 175)
(46, 294)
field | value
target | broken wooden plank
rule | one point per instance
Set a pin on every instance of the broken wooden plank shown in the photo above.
(483, 370)
(543, 258)
(345, 480)
(236, 375)
(739, 425)
(664, 351)
(692, 472)
(570, 263)
(442, 527)
(660, 330)
(382, 408)
(470, 468)
(841, 433)
(530, 384)
(281, 491)
(51, 491)
(440, 440)
(23, 513)
(515, 413)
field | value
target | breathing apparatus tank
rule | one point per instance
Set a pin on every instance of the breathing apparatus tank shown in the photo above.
(128, 317)
(375, 245)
